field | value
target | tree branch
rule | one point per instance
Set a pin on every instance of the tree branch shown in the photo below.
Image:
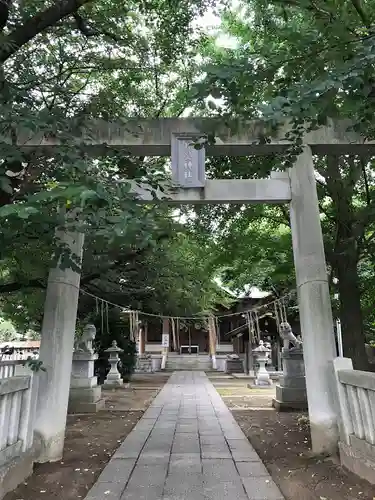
(16, 287)
(358, 7)
(37, 24)
(39, 283)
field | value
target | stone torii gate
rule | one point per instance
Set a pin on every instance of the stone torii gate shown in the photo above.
(164, 137)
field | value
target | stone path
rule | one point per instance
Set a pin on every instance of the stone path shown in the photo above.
(187, 446)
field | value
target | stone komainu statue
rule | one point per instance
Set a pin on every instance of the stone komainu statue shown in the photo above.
(288, 336)
(84, 343)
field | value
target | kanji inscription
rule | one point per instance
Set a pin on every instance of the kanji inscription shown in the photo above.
(187, 161)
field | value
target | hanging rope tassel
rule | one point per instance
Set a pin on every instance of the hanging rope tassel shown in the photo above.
(284, 311)
(102, 316)
(257, 327)
(217, 327)
(249, 326)
(178, 333)
(277, 317)
(173, 325)
(133, 325)
(107, 318)
(280, 311)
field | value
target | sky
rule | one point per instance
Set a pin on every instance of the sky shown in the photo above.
(210, 22)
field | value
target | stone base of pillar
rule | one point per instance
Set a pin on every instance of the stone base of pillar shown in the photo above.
(143, 364)
(49, 447)
(86, 400)
(291, 390)
(282, 406)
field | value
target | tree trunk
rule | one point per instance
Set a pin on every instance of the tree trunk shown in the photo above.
(42, 20)
(345, 258)
(351, 314)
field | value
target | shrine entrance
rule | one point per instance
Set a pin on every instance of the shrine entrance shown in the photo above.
(187, 141)
(192, 341)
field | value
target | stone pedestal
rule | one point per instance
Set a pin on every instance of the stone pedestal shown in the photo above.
(113, 379)
(85, 394)
(262, 355)
(156, 362)
(291, 390)
(233, 364)
(143, 364)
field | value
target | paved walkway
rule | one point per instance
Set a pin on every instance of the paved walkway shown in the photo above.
(187, 446)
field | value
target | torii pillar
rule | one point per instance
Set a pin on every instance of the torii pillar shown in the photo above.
(56, 352)
(314, 303)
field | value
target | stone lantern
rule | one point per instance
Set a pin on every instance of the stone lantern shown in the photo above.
(113, 378)
(261, 355)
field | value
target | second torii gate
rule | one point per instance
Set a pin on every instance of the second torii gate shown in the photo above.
(296, 187)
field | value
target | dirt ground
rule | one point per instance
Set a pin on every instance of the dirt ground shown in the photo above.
(90, 442)
(282, 441)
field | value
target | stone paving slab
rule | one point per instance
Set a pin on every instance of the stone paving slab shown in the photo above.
(187, 446)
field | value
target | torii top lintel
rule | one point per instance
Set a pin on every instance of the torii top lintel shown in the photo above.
(153, 137)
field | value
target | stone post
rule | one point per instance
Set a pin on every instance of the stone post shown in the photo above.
(165, 343)
(251, 371)
(144, 360)
(261, 355)
(291, 391)
(314, 304)
(85, 394)
(113, 379)
(212, 340)
(246, 359)
(141, 341)
(279, 359)
(166, 332)
(270, 363)
(56, 351)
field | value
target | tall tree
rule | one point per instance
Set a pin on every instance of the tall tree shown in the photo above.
(62, 65)
(309, 62)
